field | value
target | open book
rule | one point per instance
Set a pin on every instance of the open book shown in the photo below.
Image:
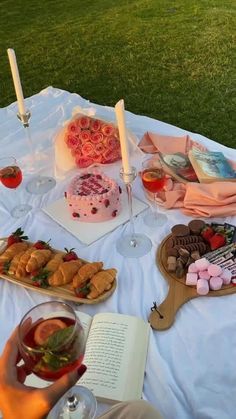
(115, 356)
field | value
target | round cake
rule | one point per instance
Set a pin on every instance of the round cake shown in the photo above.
(93, 197)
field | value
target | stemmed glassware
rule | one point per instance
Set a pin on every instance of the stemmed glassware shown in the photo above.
(11, 177)
(52, 342)
(38, 184)
(132, 245)
(154, 179)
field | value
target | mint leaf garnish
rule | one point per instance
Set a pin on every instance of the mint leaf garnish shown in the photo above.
(58, 338)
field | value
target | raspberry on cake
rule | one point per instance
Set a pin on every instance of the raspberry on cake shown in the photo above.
(93, 197)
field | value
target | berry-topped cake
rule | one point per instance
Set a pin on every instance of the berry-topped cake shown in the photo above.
(93, 197)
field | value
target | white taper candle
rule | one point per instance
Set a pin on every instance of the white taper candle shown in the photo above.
(120, 116)
(16, 81)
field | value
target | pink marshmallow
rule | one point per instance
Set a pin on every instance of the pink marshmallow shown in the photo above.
(226, 276)
(202, 287)
(191, 278)
(215, 283)
(192, 268)
(202, 264)
(204, 275)
(214, 270)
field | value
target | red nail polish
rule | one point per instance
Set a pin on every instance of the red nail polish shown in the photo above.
(81, 370)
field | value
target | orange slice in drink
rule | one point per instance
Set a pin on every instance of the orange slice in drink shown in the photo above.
(46, 328)
(150, 176)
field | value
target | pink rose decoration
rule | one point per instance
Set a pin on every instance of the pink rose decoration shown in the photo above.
(73, 128)
(99, 148)
(96, 137)
(83, 161)
(112, 142)
(72, 141)
(88, 149)
(107, 129)
(97, 158)
(76, 152)
(110, 156)
(91, 141)
(84, 122)
(95, 125)
(85, 136)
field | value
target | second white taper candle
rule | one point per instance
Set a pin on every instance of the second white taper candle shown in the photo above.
(120, 116)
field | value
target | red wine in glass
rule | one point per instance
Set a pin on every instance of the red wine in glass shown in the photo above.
(11, 178)
(52, 343)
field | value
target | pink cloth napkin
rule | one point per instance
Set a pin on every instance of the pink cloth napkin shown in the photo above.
(152, 143)
(194, 199)
(217, 199)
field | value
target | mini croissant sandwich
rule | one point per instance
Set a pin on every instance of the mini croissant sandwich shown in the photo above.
(55, 262)
(65, 273)
(13, 250)
(102, 281)
(86, 272)
(20, 271)
(38, 259)
(15, 263)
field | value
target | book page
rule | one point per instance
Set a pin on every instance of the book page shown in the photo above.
(115, 357)
(85, 320)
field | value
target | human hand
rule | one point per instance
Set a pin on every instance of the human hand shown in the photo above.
(19, 400)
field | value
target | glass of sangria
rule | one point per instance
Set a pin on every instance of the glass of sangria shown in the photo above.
(154, 180)
(11, 177)
(52, 343)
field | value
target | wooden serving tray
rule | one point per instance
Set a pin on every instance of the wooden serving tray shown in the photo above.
(163, 316)
(63, 291)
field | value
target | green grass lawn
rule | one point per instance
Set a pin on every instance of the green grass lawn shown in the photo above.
(170, 60)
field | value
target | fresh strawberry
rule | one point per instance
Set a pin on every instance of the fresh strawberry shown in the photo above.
(82, 292)
(16, 237)
(37, 284)
(70, 255)
(33, 274)
(40, 245)
(41, 279)
(207, 233)
(216, 241)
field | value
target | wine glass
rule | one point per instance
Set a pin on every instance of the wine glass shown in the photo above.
(132, 245)
(52, 343)
(11, 177)
(154, 179)
(38, 184)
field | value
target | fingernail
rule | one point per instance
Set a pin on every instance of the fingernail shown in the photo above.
(81, 370)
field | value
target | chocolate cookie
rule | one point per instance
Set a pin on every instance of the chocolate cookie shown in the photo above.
(196, 226)
(186, 240)
(180, 230)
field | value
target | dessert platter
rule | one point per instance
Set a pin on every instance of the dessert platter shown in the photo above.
(61, 274)
(197, 260)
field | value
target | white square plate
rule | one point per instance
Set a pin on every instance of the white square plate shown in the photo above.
(88, 233)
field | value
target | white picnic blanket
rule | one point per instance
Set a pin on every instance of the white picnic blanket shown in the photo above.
(190, 370)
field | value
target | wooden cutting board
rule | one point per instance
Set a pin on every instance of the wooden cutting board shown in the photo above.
(163, 316)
